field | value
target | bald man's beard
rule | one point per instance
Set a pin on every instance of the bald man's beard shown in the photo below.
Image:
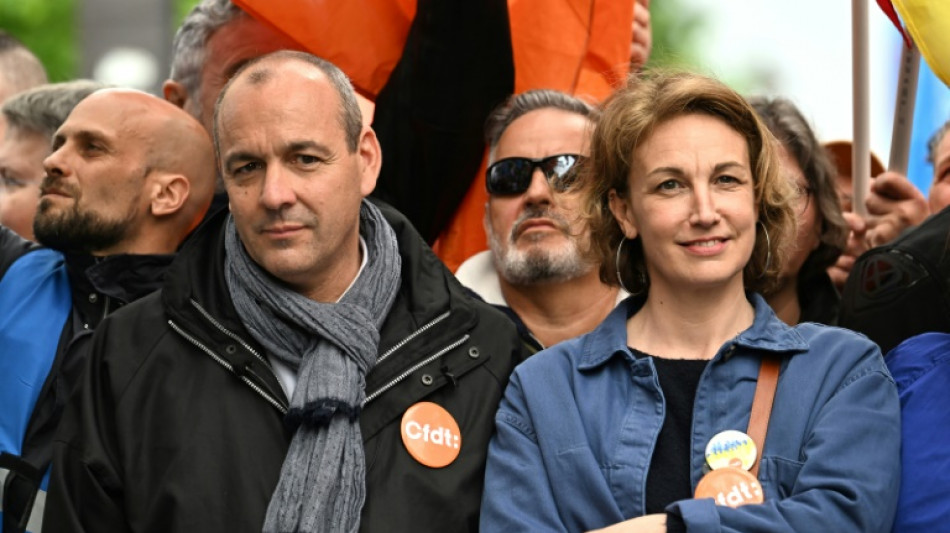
(537, 264)
(77, 231)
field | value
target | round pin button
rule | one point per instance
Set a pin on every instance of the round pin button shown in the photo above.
(731, 448)
(430, 434)
(730, 487)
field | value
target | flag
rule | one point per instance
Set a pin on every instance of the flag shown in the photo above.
(888, 9)
(933, 89)
(928, 23)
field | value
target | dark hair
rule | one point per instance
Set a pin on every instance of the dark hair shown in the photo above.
(519, 105)
(629, 118)
(791, 129)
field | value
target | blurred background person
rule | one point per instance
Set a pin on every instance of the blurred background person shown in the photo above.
(920, 364)
(19, 69)
(839, 153)
(939, 156)
(894, 205)
(902, 289)
(32, 117)
(804, 292)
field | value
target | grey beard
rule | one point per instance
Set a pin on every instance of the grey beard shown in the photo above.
(537, 266)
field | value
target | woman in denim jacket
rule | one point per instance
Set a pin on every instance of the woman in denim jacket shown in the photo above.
(614, 429)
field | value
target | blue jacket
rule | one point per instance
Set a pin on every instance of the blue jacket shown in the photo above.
(921, 368)
(578, 423)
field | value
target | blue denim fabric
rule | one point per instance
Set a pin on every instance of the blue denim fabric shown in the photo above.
(578, 423)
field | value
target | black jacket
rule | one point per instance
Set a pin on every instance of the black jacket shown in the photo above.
(178, 425)
(901, 289)
(98, 286)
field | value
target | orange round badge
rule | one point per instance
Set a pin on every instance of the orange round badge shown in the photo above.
(730, 487)
(431, 435)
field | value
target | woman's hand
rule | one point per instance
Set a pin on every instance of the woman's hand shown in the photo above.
(651, 523)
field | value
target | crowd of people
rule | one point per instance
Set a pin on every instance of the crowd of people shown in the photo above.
(220, 310)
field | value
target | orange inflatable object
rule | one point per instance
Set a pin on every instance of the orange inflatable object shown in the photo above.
(580, 47)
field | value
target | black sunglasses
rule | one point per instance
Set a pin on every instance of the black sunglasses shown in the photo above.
(512, 175)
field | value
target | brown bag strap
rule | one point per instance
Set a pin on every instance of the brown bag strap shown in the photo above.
(762, 407)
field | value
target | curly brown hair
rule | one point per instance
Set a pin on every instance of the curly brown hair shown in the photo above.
(628, 119)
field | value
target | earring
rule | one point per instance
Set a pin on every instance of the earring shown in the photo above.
(617, 263)
(768, 247)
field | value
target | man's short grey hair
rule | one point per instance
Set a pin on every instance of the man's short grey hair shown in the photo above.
(351, 119)
(20, 69)
(519, 105)
(188, 48)
(935, 141)
(43, 109)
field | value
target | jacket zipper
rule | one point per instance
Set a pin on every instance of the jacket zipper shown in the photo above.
(413, 335)
(392, 383)
(228, 332)
(230, 368)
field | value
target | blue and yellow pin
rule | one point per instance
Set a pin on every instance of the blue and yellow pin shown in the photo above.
(731, 448)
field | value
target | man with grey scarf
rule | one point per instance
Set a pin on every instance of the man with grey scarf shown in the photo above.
(309, 364)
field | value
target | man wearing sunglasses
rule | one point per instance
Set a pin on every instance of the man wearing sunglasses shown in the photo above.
(536, 270)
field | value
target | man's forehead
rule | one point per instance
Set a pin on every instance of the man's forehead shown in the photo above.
(105, 128)
(289, 83)
(85, 125)
(545, 132)
(105, 108)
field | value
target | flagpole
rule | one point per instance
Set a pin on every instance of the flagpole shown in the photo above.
(861, 145)
(904, 109)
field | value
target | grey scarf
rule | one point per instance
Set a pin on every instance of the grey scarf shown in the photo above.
(332, 346)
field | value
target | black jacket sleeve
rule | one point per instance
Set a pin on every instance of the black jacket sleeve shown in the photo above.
(85, 492)
(456, 67)
(12, 247)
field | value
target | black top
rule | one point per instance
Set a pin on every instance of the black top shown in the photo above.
(819, 300)
(668, 479)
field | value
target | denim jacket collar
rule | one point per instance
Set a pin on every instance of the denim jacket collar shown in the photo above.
(767, 333)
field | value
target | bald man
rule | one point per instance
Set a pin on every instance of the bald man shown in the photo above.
(129, 177)
(32, 118)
